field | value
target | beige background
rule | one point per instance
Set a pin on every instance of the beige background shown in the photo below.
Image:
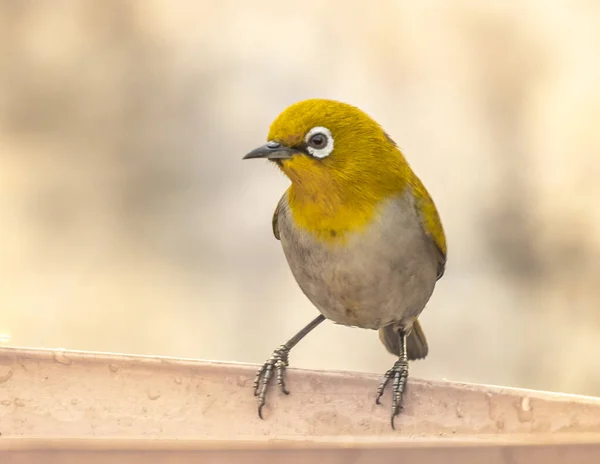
(128, 221)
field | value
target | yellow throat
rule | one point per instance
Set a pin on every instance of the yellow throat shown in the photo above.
(329, 206)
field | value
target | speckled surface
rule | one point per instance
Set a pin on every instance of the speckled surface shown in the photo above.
(55, 393)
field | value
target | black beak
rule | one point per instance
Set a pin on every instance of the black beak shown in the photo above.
(272, 151)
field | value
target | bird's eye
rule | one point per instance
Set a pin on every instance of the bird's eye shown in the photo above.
(318, 141)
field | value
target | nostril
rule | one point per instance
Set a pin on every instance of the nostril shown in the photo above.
(273, 145)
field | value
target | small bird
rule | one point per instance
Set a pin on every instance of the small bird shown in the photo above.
(359, 230)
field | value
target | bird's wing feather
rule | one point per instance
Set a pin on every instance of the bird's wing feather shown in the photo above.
(276, 218)
(430, 219)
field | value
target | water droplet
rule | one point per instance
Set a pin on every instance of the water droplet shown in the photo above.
(525, 410)
(5, 373)
(61, 357)
(19, 402)
(114, 368)
(153, 394)
(177, 380)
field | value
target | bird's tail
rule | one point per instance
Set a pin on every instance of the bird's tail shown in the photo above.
(416, 344)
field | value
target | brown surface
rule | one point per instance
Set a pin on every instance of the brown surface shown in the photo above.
(89, 407)
(430, 452)
(74, 394)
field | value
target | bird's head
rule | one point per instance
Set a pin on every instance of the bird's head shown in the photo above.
(324, 145)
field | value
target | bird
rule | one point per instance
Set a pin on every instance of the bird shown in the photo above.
(360, 233)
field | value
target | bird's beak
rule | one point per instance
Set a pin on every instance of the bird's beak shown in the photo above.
(272, 151)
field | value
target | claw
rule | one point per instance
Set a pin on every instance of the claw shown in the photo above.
(383, 384)
(281, 366)
(277, 363)
(257, 379)
(399, 373)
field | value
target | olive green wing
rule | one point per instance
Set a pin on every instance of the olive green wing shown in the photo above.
(274, 222)
(430, 219)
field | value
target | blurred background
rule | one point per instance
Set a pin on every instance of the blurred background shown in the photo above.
(129, 223)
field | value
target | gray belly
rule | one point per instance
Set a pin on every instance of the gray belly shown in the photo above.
(380, 276)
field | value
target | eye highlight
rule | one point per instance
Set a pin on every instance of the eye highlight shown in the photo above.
(319, 142)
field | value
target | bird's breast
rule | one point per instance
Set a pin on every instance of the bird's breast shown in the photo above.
(381, 273)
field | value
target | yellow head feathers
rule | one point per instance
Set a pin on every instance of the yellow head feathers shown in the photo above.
(351, 148)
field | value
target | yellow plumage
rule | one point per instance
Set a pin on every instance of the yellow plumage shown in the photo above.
(324, 197)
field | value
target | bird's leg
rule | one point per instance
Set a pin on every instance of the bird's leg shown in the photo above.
(399, 374)
(278, 362)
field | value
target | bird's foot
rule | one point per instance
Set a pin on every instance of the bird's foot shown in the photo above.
(399, 374)
(278, 362)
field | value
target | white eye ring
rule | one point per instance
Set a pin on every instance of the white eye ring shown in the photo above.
(319, 152)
